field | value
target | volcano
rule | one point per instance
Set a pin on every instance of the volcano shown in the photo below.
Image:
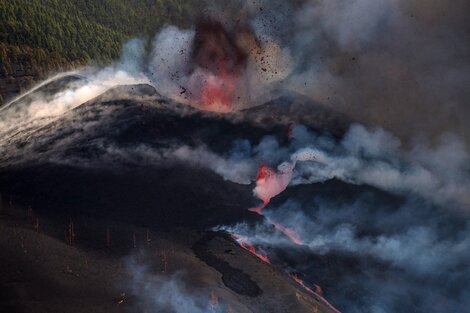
(121, 199)
(116, 162)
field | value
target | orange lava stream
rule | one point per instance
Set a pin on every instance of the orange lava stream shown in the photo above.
(218, 91)
(293, 236)
(259, 209)
(317, 293)
(263, 173)
(245, 245)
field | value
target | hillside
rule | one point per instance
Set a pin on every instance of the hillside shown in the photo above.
(38, 37)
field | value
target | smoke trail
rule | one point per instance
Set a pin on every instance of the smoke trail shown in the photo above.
(40, 107)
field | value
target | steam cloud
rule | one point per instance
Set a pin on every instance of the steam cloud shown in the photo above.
(410, 257)
(418, 238)
(157, 292)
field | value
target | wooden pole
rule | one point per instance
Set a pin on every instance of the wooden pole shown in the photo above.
(71, 237)
(108, 238)
(36, 225)
(148, 238)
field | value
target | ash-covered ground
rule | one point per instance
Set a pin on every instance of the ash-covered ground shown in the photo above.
(111, 205)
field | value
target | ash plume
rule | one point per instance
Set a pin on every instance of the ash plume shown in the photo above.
(401, 65)
(217, 66)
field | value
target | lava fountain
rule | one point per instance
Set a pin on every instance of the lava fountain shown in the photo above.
(220, 56)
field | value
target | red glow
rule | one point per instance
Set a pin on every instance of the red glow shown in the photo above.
(317, 294)
(288, 232)
(259, 209)
(218, 91)
(264, 174)
(301, 283)
(245, 245)
(264, 171)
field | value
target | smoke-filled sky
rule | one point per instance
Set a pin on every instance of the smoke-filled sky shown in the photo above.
(402, 65)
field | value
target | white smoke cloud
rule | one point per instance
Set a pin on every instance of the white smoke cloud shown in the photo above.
(416, 244)
(35, 109)
(374, 158)
(162, 293)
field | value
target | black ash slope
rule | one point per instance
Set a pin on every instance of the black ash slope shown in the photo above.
(104, 158)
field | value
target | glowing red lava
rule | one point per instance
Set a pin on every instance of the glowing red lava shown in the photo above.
(221, 56)
(293, 236)
(264, 172)
(218, 91)
(301, 283)
(263, 178)
(245, 245)
(259, 209)
(319, 295)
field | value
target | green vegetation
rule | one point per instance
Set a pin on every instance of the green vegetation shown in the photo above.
(41, 36)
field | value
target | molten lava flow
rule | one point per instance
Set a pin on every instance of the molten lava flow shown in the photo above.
(218, 91)
(269, 184)
(219, 57)
(317, 294)
(264, 173)
(293, 236)
(301, 283)
(245, 245)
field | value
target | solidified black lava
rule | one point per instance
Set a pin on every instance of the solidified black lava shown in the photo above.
(233, 278)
